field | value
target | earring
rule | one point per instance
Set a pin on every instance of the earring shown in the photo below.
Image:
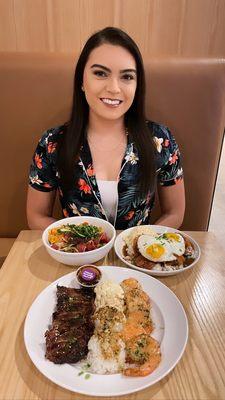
(82, 88)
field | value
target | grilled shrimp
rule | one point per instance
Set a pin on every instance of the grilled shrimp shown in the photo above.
(141, 318)
(137, 300)
(130, 283)
(131, 330)
(137, 309)
(144, 352)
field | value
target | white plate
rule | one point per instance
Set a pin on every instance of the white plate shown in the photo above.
(171, 330)
(119, 244)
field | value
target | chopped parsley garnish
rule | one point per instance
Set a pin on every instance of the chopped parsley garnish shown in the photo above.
(82, 231)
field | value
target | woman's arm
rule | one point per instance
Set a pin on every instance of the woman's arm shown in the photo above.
(172, 203)
(40, 208)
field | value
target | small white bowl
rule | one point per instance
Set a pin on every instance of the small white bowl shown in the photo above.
(88, 257)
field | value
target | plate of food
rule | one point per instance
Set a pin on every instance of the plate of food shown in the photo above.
(157, 250)
(122, 336)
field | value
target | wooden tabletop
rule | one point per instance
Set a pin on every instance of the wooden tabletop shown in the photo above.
(200, 374)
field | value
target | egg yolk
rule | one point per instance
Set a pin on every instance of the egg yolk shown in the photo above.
(173, 236)
(155, 250)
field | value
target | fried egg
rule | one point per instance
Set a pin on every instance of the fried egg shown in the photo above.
(176, 242)
(161, 248)
(155, 249)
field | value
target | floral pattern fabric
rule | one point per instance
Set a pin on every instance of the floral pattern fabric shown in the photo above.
(84, 197)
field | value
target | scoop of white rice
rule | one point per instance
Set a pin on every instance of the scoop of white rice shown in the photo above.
(99, 364)
(110, 294)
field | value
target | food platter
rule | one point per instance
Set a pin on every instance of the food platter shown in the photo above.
(119, 245)
(171, 330)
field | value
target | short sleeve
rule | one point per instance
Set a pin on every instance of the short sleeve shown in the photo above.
(43, 175)
(169, 168)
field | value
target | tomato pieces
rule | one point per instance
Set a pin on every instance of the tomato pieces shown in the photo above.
(103, 238)
(81, 247)
(91, 245)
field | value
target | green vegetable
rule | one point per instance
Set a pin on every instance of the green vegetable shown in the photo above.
(83, 230)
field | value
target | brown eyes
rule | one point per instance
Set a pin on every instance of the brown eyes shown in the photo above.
(103, 74)
(128, 77)
(100, 73)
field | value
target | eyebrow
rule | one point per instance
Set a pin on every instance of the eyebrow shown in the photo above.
(109, 70)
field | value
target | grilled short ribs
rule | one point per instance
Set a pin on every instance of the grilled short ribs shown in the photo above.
(72, 325)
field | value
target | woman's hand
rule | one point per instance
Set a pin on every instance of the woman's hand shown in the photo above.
(172, 204)
(40, 208)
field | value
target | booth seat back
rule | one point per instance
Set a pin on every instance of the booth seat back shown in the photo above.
(187, 95)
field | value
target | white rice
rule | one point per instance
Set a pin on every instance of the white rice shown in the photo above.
(164, 267)
(99, 364)
(106, 351)
(110, 294)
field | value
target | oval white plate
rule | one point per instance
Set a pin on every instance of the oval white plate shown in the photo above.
(119, 244)
(171, 330)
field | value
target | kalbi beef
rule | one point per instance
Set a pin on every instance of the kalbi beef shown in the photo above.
(67, 345)
(63, 293)
(72, 317)
(72, 325)
(65, 326)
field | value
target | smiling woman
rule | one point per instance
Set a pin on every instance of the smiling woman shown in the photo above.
(114, 87)
(107, 160)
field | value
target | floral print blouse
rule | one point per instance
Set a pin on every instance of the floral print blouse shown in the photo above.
(84, 197)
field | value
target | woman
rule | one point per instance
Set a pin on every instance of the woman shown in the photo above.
(108, 159)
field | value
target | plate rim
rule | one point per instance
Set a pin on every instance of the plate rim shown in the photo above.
(122, 392)
(151, 272)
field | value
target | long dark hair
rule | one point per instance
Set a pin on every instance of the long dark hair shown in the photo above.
(135, 120)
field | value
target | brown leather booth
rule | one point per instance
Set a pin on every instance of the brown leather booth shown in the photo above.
(187, 95)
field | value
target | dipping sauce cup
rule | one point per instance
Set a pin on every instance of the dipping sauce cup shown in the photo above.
(88, 275)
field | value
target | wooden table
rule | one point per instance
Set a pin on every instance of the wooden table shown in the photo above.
(200, 374)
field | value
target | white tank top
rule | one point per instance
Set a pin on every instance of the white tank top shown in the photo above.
(109, 196)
